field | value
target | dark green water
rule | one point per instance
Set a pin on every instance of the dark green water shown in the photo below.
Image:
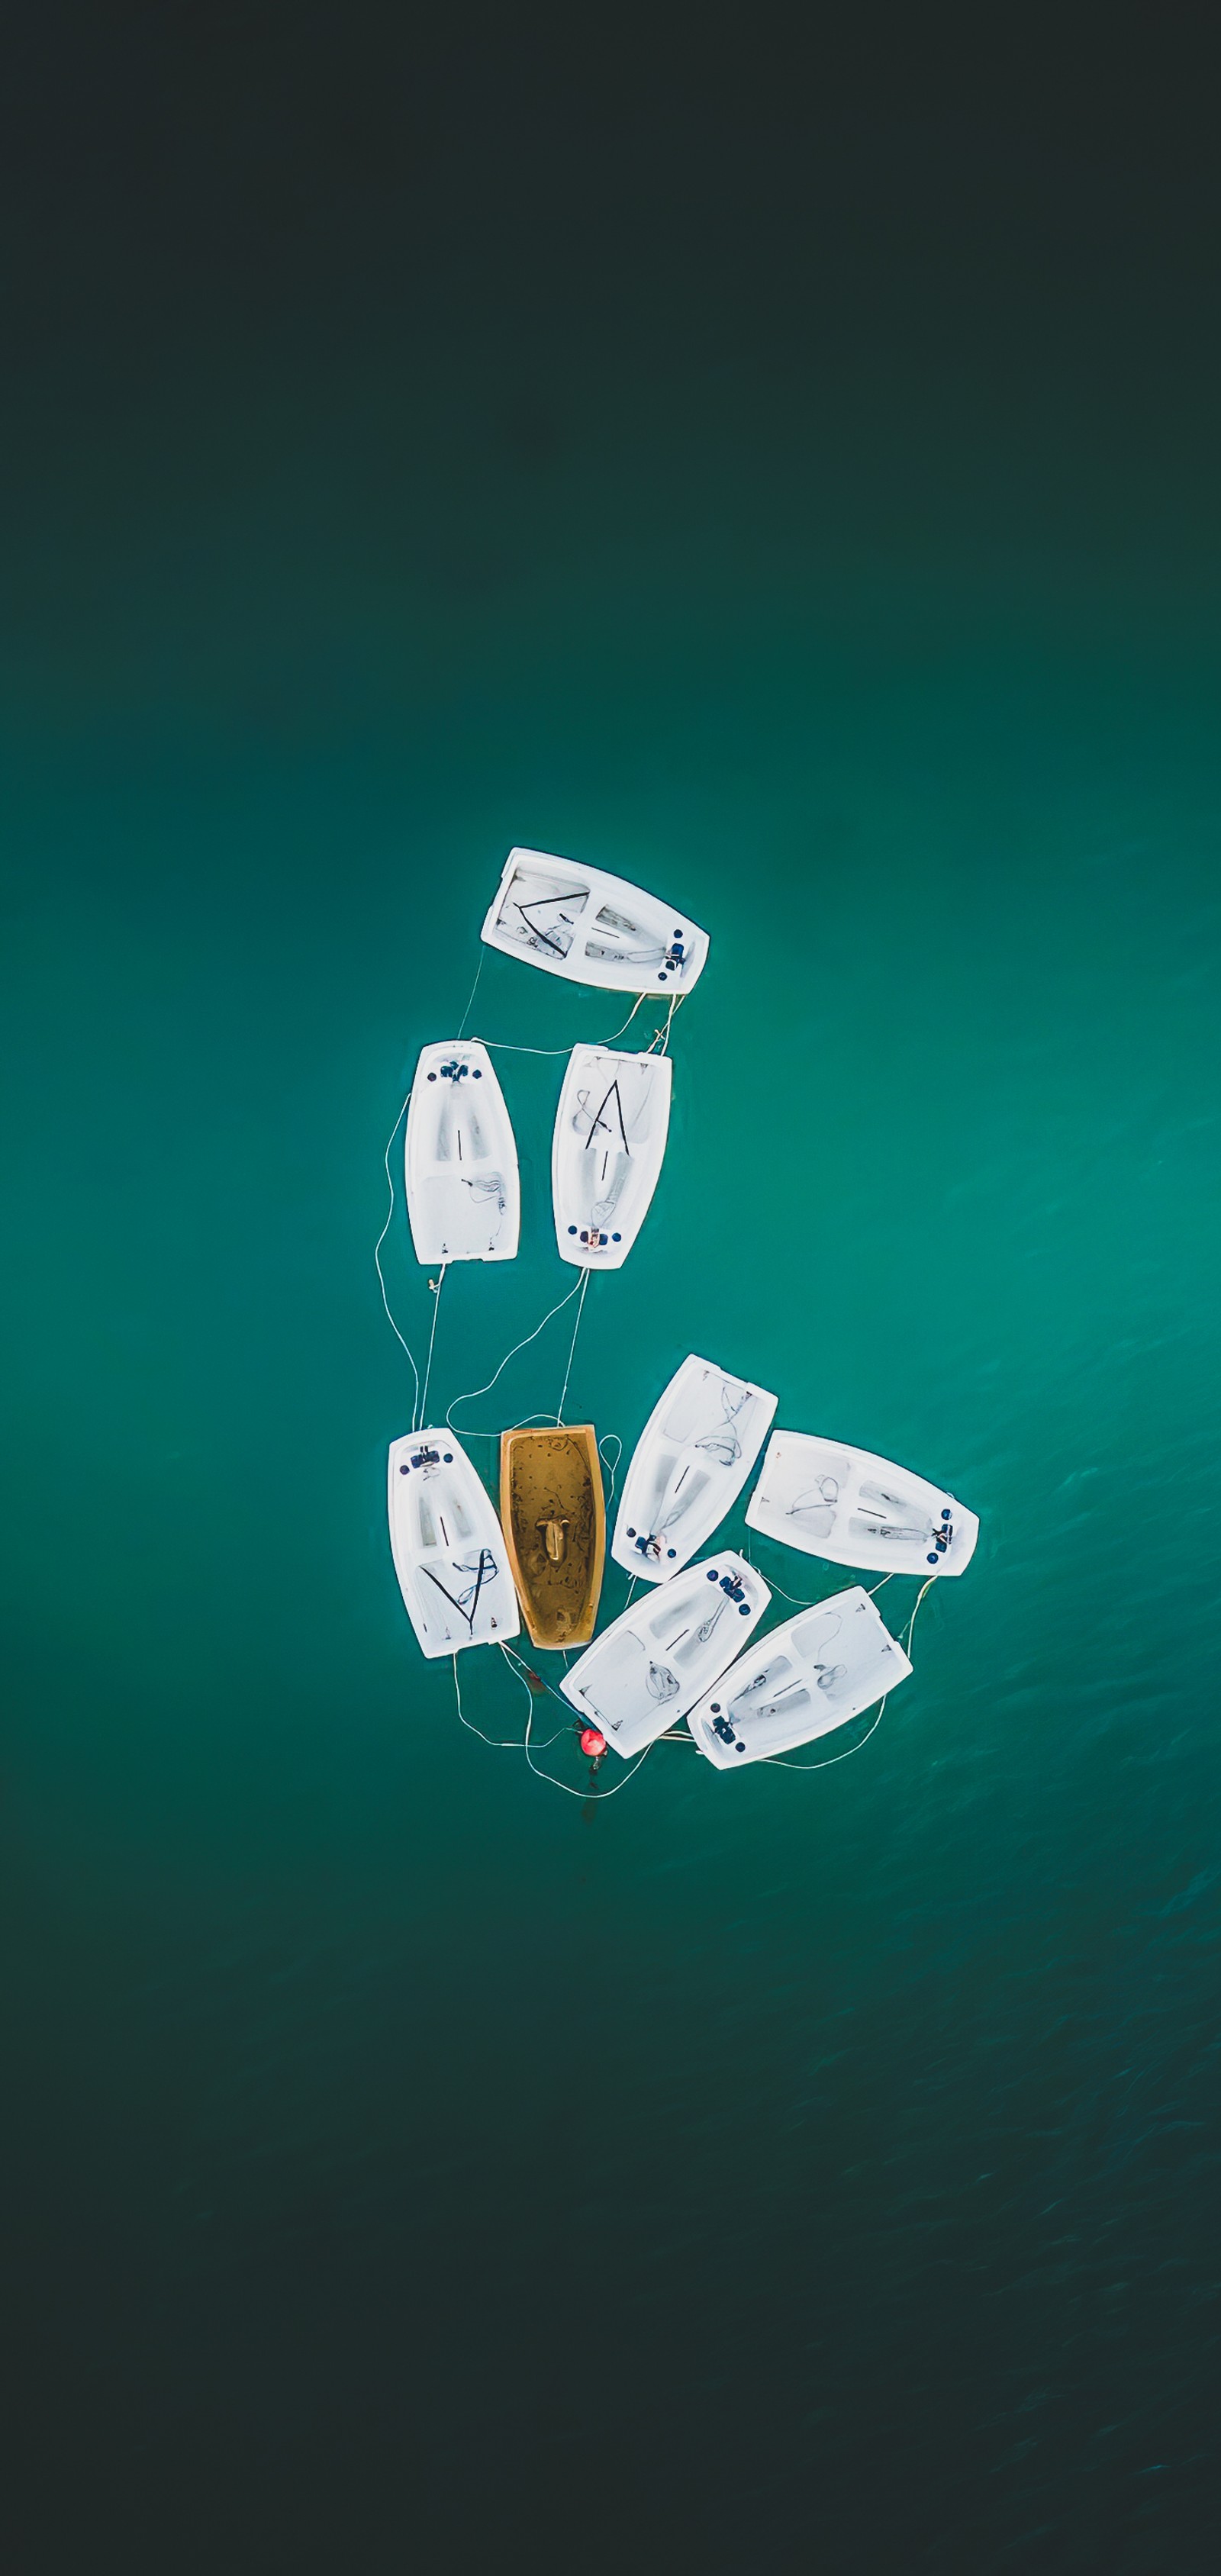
(404, 2171)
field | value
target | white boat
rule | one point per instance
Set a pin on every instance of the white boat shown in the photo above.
(463, 1197)
(593, 928)
(606, 1153)
(814, 1673)
(449, 1554)
(689, 1465)
(851, 1508)
(657, 1659)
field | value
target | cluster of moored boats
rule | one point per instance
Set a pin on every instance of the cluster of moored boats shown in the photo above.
(687, 1649)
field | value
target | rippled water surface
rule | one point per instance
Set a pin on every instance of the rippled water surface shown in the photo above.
(411, 2168)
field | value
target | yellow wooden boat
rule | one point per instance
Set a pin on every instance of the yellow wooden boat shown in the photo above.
(554, 1522)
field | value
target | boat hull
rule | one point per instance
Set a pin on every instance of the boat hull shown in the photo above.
(689, 1465)
(817, 1671)
(554, 1523)
(460, 1158)
(852, 1508)
(591, 927)
(606, 1152)
(659, 1657)
(448, 1549)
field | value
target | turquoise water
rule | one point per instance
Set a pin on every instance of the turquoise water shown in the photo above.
(387, 2121)
(409, 2169)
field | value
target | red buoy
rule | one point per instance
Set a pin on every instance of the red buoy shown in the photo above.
(592, 1743)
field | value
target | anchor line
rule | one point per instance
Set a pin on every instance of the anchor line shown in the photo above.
(517, 1346)
(585, 1280)
(422, 1399)
(504, 1743)
(470, 999)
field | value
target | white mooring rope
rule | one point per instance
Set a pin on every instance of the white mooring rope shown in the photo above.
(436, 1287)
(473, 1391)
(571, 1349)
